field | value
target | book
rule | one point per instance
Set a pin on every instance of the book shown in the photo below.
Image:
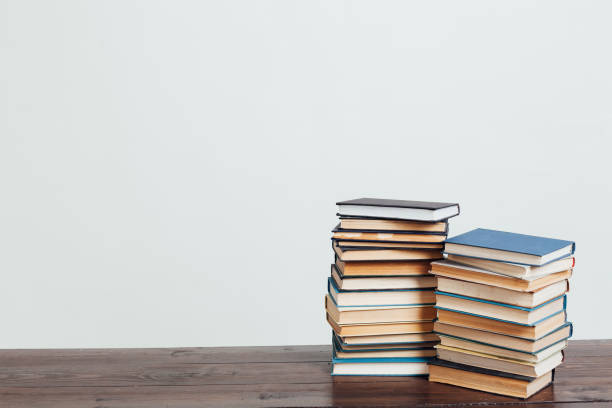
(384, 282)
(493, 362)
(501, 295)
(380, 367)
(390, 339)
(398, 209)
(516, 270)
(409, 353)
(535, 345)
(496, 382)
(502, 327)
(386, 236)
(500, 311)
(386, 314)
(376, 254)
(378, 329)
(509, 247)
(348, 245)
(374, 268)
(472, 274)
(375, 224)
(419, 345)
(389, 297)
(541, 355)
(342, 353)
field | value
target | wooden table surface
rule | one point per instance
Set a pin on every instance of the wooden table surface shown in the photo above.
(261, 377)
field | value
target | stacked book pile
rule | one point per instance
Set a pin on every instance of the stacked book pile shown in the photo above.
(501, 311)
(380, 296)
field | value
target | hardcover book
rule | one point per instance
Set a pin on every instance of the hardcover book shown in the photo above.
(377, 224)
(509, 342)
(385, 254)
(480, 347)
(398, 209)
(389, 366)
(378, 297)
(382, 268)
(509, 247)
(402, 341)
(379, 329)
(516, 270)
(501, 295)
(500, 326)
(493, 362)
(497, 382)
(387, 236)
(381, 282)
(373, 315)
(500, 311)
(397, 352)
(390, 339)
(473, 274)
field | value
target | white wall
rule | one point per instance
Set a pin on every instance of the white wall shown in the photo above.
(169, 169)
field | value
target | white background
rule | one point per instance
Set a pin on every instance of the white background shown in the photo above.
(169, 169)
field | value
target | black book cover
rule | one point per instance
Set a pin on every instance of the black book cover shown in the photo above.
(383, 202)
(365, 217)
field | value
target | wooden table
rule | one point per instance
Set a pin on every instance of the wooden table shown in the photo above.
(262, 376)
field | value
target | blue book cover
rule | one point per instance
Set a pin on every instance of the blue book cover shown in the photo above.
(512, 242)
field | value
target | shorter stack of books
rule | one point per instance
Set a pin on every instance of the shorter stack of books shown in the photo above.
(380, 300)
(501, 311)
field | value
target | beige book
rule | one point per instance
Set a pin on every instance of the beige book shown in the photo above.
(496, 311)
(516, 270)
(387, 339)
(471, 274)
(397, 225)
(378, 315)
(497, 363)
(382, 282)
(386, 254)
(501, 340)
(383, 268)
(502, 295)
(431, 352)
(379, 328)
(387, 236)
(502, 352)
(521, 388)
(496, 326)
(382, 244)
(387, 346)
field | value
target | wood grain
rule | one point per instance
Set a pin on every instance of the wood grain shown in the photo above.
(262, 377)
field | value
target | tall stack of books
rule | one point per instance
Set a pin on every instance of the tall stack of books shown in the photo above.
(380, 301)
(501, 311)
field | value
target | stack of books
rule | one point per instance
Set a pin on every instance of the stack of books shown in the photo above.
(501, 311)
(380, 301)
